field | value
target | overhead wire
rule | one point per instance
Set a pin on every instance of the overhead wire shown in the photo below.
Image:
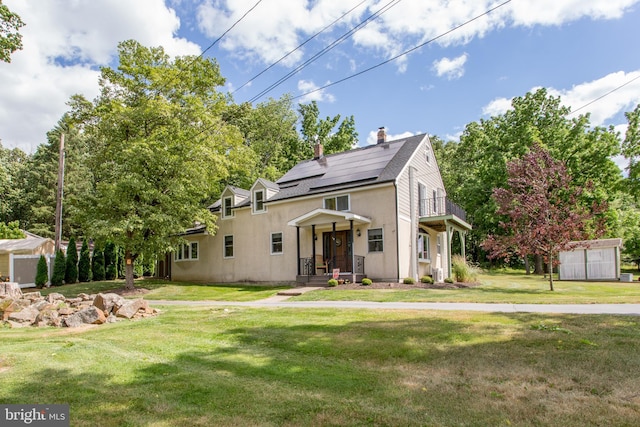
(332, 45)
(606, 94)
(300, 46)
(406, 52)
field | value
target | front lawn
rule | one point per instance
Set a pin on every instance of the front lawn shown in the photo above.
(315, 367)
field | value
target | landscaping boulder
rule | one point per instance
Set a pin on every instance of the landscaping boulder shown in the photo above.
(109, 303)
(130, 308)
(26, 315)
(54, 296)
(87, 316)
(10, 290)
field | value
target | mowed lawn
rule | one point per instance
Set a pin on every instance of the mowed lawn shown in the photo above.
(496, 287)
(319, 367)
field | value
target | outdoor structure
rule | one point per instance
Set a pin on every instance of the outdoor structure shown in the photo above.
(591, 260)
(19, 257)
(379, 211)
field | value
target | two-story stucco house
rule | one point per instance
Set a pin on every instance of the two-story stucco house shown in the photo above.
(379, 211)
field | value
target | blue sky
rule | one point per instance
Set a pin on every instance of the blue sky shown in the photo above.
(578, 49)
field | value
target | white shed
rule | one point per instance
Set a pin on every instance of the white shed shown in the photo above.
(591, 260)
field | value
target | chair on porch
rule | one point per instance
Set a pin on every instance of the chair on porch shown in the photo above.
(321, 264)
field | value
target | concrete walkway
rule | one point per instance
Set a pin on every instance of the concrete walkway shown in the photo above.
(281, 300)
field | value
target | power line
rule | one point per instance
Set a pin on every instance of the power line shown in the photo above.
(340, 39)
(300, 46)
(406, 52)
(606, 94)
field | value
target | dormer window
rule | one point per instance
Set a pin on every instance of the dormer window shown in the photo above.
(227, 205)
(258, 201)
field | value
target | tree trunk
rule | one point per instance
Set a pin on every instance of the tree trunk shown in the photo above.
(550, 272)
(539, 265)
(128, 270)
(527, 266)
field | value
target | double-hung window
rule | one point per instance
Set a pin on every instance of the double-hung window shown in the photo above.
(227, 205)
(276, 243)
(375, 240)
(228, 246)
(424, 244)
(258, 201)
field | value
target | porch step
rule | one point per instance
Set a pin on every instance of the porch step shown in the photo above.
(321, 280)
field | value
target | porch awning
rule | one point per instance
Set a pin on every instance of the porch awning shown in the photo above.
(327, 216)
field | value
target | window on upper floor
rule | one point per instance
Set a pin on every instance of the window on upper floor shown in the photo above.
(276, 243)
(258, 201)
(375, 240)
(427, 155)
(337, 203)
(422, 200)
(227, 205)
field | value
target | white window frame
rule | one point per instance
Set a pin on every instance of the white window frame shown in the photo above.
(281, 243)
(227, 203)
(335, 202)
(425, 254)
(187, 255)
(369, 241)
(224, 246)
(255, 201)
(427, 155)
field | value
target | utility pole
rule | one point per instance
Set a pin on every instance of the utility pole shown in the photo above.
(60, 194)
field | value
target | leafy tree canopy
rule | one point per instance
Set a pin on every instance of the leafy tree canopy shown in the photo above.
(543, 209)
(10, 38)
(159, 146)
(11, 231)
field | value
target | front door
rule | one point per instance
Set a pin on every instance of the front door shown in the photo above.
(342, 258)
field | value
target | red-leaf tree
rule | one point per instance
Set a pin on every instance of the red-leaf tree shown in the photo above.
(543, 211)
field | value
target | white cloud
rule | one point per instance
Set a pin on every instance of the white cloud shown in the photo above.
(603, 98)
(311, 93)
(64, 45)
(451, 68)
(372, 137)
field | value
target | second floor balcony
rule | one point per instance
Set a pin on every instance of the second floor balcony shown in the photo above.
(440, 206)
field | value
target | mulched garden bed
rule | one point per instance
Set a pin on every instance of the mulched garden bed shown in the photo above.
(388, 285)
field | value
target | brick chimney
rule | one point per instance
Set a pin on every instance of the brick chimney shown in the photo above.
(318, 151)
(382, 135)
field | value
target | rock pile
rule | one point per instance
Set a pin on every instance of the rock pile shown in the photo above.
(33, 309)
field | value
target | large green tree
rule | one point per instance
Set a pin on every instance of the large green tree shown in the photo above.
(480, 158)
(631, 151)
(12, 166)
(159, 147)
(315, 129)
(10, 38)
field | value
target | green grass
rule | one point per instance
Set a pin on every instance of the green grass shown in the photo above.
(497, 287)
(165, 290)
(288, 367)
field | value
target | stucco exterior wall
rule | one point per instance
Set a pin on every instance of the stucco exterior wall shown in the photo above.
(253, 261)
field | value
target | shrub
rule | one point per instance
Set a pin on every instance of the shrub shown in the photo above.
(332, 282)
(409, 281)
(84, 264)
(97, 265)
(71, 270)
(366, 282)
(448, 280)
(59, 266)
(110, 261)
(462, 271)
(42, 275)
(427, 279)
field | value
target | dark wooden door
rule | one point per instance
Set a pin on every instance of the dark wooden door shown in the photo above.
(342, 257)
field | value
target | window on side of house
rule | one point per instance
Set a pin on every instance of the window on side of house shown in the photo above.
(276, 243)
(227, 204)
(422, 200)
(435, 202)
(337, 203)
(427, 154)
(375, 239)
(424, 245)
(187, 251)
(258, 201)
(228, 246)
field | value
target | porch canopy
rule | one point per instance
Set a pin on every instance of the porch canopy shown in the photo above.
(328, 216)
(449, 223)
(324, 217)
